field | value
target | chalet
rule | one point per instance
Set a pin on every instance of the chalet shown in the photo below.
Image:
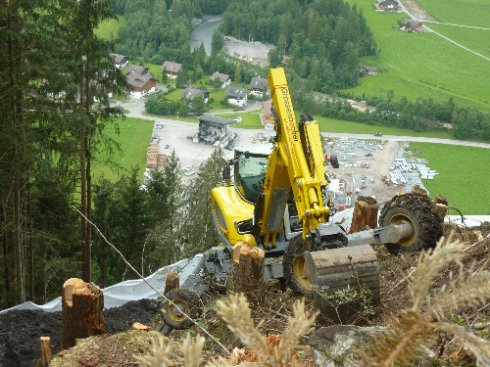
(171, 69)
(388, 6)
(411, 25)
(223, 79)
(266, 115)
(119, 60)
(259, 86)
(137, 69)
(191, 92)
(236, 96)
(141, 85)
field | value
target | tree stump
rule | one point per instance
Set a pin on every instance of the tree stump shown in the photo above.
(46, 352)
(365, 214)
(82, 311)
(172, 282)
(247, 273)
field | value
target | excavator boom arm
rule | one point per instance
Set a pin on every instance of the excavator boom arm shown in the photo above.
(296, 163)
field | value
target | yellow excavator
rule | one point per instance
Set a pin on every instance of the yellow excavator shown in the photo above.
(275, 200)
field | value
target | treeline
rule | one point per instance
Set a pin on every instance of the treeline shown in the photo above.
(52, 69)
(320, 40)
(419, 115)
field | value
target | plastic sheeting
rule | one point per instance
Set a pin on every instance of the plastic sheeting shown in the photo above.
(133, 290)
(118, 294)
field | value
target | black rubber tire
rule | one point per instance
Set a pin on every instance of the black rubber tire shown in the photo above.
(188, 301)
(419, 211)
(296, 247)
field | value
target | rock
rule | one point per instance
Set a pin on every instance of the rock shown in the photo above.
(339, 345)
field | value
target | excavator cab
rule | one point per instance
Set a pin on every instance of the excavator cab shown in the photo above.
(249, 172)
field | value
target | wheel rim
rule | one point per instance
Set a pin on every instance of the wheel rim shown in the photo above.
(174, 313)
(298, 268)
(398, 218)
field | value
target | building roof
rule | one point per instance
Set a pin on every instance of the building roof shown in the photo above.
(233, 92)
(137, 69)
(258, 82)
(409, 22)
(214, 120)
(388, 3)
(137, 80)
(221, 77)
(118, 59)
(172, 67)
(191, 92)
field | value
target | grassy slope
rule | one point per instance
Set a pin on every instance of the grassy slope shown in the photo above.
(134, 137)
(109, 29)
(468, 12)
(463, 175)
(422, 65)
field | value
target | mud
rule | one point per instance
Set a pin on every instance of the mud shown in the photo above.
(20, 329)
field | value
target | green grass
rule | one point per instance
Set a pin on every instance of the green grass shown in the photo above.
(109, 29)
(175, 95)
(422, 65)
(463, 175)
(250, 120)
(468, 12)
(341, 126)
(134, 138)
(475, 39)
(217, 96)
(155, 71)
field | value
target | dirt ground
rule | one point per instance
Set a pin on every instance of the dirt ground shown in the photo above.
(20, 330)
(416, 10)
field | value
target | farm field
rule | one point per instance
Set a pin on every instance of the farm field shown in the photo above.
(463, 175)
(468, 12)
(133, 139)
(422, 65)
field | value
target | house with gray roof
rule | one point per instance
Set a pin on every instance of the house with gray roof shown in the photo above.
(190, 93)
(259, 86)
(171, 69)
(236, 96)
(218, 77)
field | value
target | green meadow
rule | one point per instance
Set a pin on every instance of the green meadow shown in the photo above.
(467, 12)
(422, 64)
(463, 175)
(133, 139)
(109, 28)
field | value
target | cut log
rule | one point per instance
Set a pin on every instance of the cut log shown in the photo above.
(247, 273)
(82, 311)
(365, 214)
(172, 282)
(46, 352)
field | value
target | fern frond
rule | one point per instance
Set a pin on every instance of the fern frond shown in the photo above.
(431, 263)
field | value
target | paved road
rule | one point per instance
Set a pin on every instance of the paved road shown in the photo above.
(136, 108)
